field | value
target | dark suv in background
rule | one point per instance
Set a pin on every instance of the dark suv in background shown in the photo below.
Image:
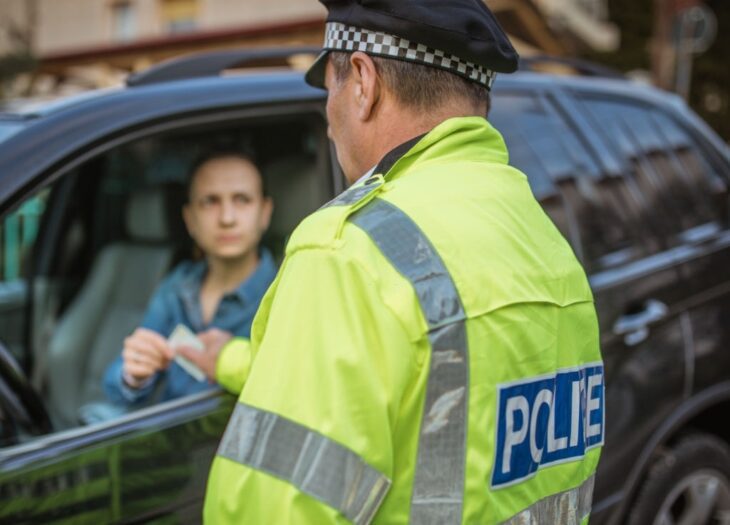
(90, 193)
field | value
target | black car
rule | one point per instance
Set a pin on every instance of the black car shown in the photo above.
(90, 193)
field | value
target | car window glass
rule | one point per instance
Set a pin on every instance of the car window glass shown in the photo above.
(94, 277)
(602, 209)
(662, 160)
(614, 208)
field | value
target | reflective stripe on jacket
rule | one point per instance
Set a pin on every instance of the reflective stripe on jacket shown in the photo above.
(428, 354)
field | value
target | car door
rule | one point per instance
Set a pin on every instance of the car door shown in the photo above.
(151, 463)
(638, 284)
(697, 170)
(140, 466)
(597, 202)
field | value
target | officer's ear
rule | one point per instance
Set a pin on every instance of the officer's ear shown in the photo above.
(367, 84)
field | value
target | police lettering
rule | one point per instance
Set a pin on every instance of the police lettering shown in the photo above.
(546, 420)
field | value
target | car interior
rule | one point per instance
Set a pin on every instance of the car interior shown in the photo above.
(111, 229)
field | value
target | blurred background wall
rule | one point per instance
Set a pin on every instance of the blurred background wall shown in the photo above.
(50, 48)
(679, 45)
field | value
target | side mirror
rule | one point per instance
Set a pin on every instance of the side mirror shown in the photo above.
(17, 397)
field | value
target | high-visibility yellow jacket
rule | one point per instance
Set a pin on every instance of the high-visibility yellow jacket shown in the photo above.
(428, 354)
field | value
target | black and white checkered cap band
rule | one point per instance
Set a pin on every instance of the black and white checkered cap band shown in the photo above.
(341, 37)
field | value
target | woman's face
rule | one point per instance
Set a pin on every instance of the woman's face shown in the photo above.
(227, 211)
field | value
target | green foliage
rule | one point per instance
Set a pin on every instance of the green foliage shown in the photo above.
(14, 64)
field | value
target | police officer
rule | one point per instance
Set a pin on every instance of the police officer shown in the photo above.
(429, 350)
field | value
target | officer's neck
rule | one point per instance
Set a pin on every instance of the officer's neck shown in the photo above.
(396, 124)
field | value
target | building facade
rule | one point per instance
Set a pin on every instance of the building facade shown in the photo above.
(96, 43)
(63, 26)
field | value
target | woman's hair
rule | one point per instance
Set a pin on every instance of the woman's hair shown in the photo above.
(220, 153)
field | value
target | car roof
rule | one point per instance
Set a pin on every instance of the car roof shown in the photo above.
(32, 109)
(588, 84)
(28, 110)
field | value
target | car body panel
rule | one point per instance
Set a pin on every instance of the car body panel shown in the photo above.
(151, 463)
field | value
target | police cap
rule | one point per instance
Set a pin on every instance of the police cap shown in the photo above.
(460, 36)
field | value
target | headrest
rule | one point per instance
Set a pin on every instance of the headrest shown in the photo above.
(297, 189)
(147, 216)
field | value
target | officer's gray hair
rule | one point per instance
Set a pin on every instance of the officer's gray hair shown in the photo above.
(415, 85)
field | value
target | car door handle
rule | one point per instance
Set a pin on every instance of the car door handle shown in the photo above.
(635, 327)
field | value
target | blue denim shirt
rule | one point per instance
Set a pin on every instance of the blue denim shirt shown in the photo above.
(177, 301)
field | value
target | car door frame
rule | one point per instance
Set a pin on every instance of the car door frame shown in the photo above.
(54, 447)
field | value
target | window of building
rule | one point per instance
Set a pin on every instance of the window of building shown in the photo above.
(179, 16)
(124, 20)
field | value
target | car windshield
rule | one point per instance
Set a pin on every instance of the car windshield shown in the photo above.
(8, 129)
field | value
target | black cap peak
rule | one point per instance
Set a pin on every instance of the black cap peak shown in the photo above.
(461, 36)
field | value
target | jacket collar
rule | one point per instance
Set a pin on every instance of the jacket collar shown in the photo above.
(387, 162)
(449, 138)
